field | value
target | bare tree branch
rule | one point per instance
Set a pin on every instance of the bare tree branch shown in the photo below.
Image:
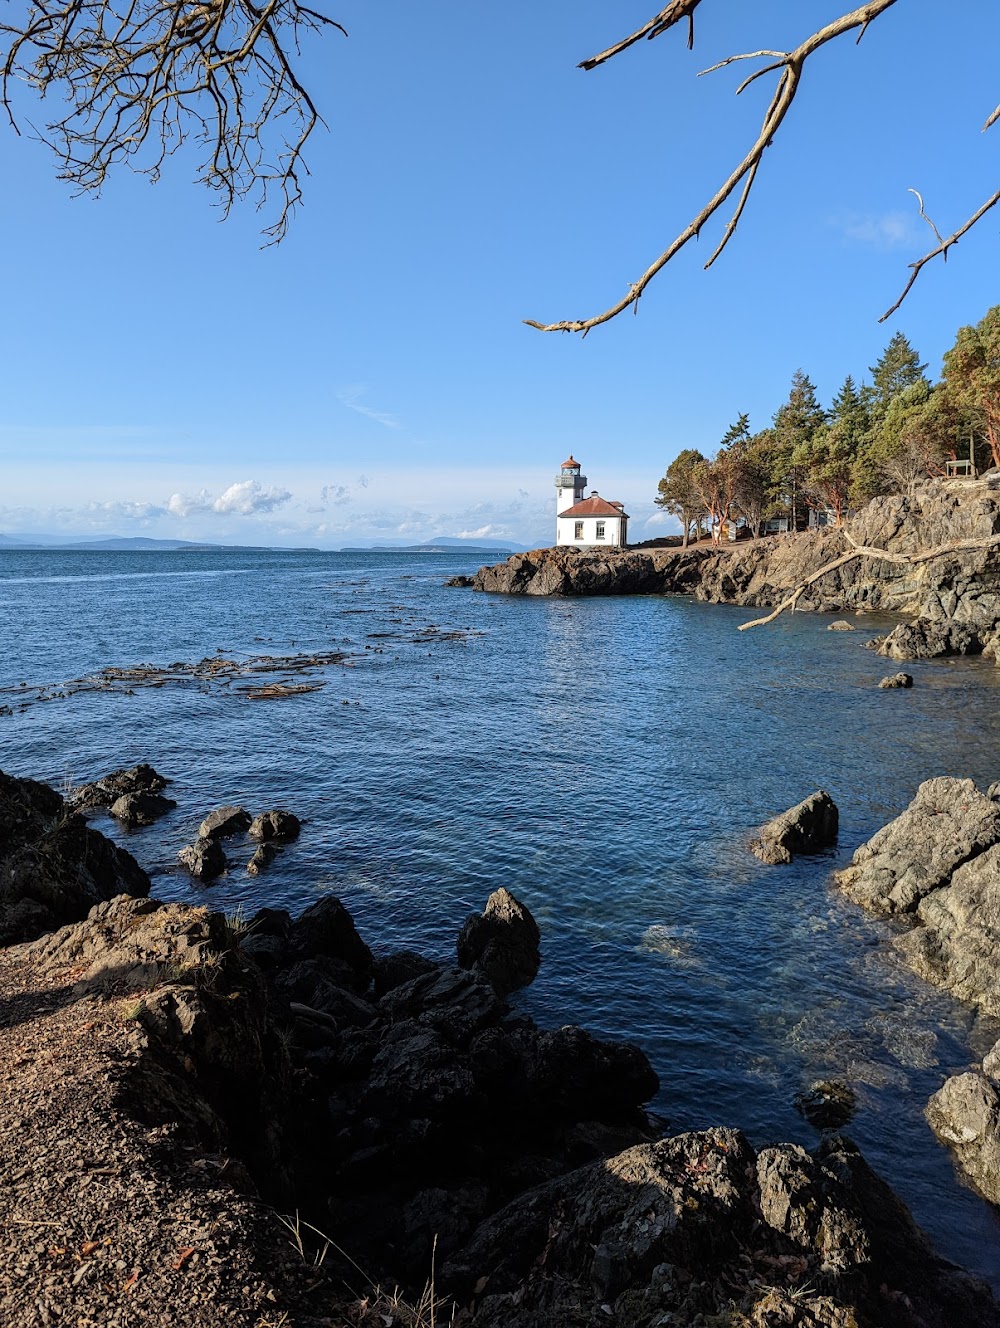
(941, 250)
(661, 22)
(792, 64)
(866, 551)
(135, 79)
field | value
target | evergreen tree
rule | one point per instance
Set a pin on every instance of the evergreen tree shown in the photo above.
(899, 367)
(972, 378)
(737, 434)
(794, 424)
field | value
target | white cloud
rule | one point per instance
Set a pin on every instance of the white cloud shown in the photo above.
(888, 230)
(248, 498)
(183, 505)
(495, 531)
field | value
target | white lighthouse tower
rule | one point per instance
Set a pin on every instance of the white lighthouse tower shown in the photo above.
(586, 522)
(570, 485)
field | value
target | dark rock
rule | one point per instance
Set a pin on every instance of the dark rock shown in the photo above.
(263, 856)
(895, 680)
(948, 823)
(570, 1075)
(137, 809)
(204, 859)
(828, 1105)
(462, 582)
(270, 922)
(392, 970)
(269, 953)
(53, 867)
(313, 982)
(697, 1230)
(327, 929)
(808, 827)
(501, 943)
(454, 1002)
(280, 826)
(103, 792)
(930, 640)
(223, 822)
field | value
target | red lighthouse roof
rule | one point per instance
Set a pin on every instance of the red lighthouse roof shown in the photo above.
(594, 506)
(571, 463)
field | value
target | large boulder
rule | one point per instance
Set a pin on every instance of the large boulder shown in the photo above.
(223, 822)
(327, 929)
(501, 943)
(142, 808)
(948, 823)
(808, 827)
(278, 825)
(965, 1114)
(109, 788)
(204, 859)
(53, 867)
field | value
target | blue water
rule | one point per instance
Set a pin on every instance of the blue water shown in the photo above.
(605, 759)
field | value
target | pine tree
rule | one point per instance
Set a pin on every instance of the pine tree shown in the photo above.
(898, 368)
(794, 424)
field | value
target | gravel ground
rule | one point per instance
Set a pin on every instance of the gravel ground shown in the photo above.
(112, 1224)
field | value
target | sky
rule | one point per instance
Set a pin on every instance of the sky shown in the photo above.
(371, 379)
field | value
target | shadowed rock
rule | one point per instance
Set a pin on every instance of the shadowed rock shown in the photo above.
(263, 856)
(53, 867)
(501, 943)
(137, 809)
(204, 859)
(808, 827)
(278, 825)
(103, 792)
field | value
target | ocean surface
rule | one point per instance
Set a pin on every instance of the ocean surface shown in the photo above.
(605, 759)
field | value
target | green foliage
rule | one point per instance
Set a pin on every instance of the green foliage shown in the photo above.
(898, 368)
(972, 378)
(678, 492)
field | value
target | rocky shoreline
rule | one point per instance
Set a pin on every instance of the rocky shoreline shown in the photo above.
(177, 1078)
(952, 601)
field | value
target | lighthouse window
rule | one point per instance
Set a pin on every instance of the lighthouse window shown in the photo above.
(577, 530)
(600, 530)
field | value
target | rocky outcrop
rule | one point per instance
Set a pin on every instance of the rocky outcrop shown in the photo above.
(947, 824)
(954, 600)
(119, 784)
(808, 827)
(53, 867)
(699, 1229)
(501, 943)
(965, 1115)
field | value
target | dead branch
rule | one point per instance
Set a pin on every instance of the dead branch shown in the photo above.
(661, 22)
(941, 249)
(791, 64)
(136, 79)
(867, 551)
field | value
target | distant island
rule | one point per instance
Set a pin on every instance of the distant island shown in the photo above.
(449, 544)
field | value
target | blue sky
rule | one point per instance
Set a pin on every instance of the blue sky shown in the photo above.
(371, 378)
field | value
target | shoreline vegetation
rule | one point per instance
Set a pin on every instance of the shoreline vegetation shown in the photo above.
(204, 1113)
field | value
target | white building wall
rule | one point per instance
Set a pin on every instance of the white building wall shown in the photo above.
(566, 531)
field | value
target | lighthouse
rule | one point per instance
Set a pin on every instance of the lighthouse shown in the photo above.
(570, 485)
(586, 522)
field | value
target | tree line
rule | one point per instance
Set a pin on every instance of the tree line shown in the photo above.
(877, 437)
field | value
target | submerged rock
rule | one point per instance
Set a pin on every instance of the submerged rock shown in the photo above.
(501, 943)
(263, 856)
(841, 626)
(895, 680)
(827, 1104)
(808, 827)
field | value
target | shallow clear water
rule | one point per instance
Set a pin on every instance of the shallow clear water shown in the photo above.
(605, 759)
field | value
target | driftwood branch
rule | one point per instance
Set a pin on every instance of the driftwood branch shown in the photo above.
(791, 64)
(867, 551)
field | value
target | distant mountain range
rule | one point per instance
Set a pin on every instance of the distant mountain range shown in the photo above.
(136, 543)
(447, 544)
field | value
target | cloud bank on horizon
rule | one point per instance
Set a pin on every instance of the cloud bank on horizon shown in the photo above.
(328, 515)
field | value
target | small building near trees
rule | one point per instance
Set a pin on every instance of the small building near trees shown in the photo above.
(586, 522)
